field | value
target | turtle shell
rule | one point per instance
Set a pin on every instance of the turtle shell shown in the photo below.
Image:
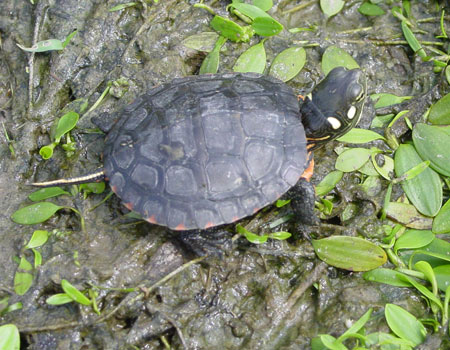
(206, 150)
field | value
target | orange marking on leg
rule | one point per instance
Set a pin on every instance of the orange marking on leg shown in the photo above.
(301, 97)
(307, 174)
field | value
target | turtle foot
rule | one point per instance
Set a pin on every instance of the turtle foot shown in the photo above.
(213, 242)
(302, 202)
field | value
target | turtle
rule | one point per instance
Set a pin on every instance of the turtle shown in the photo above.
(204, 151)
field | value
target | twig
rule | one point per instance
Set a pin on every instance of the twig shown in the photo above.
(41, 12)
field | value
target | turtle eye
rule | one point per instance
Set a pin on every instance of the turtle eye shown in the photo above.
(357, 92)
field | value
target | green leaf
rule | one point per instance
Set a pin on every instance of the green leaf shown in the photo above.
(252, 60)
(358, 136)
(413, 42)
(385, 99)
(335, 57)
(46, 152)
(349, 253)
(331, 7)
(266, 26)
(201, 42)
(381, 121)
(386, 170)
(442, 274)
(69, 37)
(35, 213)
(264, 5)
(37, 258)
(432, 143)
(357, 325)
(282, 202)
(413, 239)
(436, 253)
(74, 293)
(59, 299)
(231, 30)
(387, 342)
(23, 280)
(424, 290)
(440, 111)
(43, 46)
(250, 236)
(404, 325)
(427, 270)
(280, 235)
(211, 62)
(424, 190)
(386, 276)
(408, 215)
(67, 122)
(38, 238)
(352, 159)
(24, 264)
(45, 193)
(328, 182)
(122, 6)
(288, 63)
(9, 337)
(369, 9)
(441, 222)
(331, 342)
(248, 10)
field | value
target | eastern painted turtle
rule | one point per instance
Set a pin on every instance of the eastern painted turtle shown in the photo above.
(204, 151)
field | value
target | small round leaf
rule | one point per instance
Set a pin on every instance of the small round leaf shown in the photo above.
(9, 337)
(349, 253)
(404, 325)
(335, 57)
(35, 213)
(252, 60)
(424, 190)
(288, 63)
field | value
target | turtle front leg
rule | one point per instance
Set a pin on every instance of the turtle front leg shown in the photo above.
(302, 197)
(213, 241)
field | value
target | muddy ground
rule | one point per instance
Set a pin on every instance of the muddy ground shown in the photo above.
(272, 296)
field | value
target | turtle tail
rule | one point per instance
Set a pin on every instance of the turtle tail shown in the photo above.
(92, 177)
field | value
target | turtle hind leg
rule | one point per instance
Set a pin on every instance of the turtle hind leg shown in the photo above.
(302, 202)
(213, 241)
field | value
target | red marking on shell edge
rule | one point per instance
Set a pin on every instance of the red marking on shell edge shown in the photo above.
(236, 218)
(180, 227)
(307, 174)
(151, 219)
(114, 188)
(209, 224)
(129, 206)
(255, 210)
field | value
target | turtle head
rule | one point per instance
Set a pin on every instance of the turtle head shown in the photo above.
(334, 107)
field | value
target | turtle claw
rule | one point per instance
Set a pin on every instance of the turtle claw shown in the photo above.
(213, 242)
